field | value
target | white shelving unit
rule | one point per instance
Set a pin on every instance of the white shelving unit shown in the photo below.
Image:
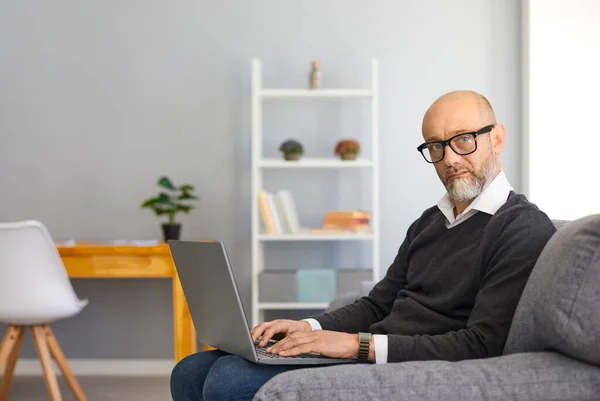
(321, 93)
(315, 162)
(260, 164)
(315, 237)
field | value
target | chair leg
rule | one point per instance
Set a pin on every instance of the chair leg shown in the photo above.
(11, 362)
(62, 363)
(7, 344)
(41, 346)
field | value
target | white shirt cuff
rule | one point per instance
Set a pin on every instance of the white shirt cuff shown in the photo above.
(380, 342)
(316, 325)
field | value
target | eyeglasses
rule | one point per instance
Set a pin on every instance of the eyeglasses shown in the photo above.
(462, 144)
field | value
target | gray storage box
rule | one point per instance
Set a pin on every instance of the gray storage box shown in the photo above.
(349, 280)
(277, 286)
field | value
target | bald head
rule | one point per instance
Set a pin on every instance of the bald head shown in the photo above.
(457, 109)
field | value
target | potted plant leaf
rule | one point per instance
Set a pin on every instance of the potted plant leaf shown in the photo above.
(170, 201)
(292, 150)
(347, 149)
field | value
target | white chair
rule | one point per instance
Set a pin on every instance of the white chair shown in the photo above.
(35, 291)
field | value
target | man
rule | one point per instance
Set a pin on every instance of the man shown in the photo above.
(452, 289)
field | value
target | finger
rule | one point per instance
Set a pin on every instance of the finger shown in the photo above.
(293, 340)
(282, 342)
(274, 347)
(271, 331)
(300, 349)
(258, 330)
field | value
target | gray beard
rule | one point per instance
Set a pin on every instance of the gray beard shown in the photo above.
(466, 189)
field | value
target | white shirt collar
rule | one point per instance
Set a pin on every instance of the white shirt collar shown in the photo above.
(492, 197)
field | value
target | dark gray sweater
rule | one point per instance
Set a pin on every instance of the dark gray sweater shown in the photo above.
(450, 294)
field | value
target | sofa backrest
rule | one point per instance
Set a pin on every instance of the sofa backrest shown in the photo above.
(559, 309)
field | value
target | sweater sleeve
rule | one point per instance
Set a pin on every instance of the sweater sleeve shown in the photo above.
(511, 247)
(365, 311)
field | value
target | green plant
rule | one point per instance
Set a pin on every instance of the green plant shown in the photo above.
(290, 146)
(170, 203)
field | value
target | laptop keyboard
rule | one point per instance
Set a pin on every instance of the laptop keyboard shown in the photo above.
(262, 353)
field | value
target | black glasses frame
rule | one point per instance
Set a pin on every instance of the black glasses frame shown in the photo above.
(448, 142)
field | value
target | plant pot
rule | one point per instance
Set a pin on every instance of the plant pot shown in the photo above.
(171, 231)
(348, 156)
(292, 156)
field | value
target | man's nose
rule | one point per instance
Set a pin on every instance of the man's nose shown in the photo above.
(450, 157)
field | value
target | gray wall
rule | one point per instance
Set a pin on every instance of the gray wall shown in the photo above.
(98, 99)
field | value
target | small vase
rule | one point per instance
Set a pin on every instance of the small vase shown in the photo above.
(348, 156)
(292, 156)
(316, 76)
(171, 231)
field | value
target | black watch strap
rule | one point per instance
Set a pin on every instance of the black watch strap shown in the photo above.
(364, 340)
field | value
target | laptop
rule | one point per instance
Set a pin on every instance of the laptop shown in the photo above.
(213, 298)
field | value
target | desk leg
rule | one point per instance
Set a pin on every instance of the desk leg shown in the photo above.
(184, 332)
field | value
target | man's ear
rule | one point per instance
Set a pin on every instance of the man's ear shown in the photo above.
(497, 137)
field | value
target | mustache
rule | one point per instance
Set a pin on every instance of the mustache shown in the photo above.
(455, 169)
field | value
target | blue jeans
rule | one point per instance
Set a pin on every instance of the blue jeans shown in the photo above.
(217, 375)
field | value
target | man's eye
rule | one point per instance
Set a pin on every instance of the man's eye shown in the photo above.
(435, 146)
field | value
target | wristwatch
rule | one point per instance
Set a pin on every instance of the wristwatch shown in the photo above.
(364, 340)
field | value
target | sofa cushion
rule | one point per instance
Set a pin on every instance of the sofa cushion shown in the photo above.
(559, 309)
(520, 377)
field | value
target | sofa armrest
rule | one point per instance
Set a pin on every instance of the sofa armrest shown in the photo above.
(345, 299)
(519, 377)
(342, 300)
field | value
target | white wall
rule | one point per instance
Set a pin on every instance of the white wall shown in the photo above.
(561, 93)
(98, 98)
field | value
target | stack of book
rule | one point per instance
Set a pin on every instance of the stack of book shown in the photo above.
(345, 221)
(278, 212)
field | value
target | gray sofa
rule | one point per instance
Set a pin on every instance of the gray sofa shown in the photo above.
(552, 351)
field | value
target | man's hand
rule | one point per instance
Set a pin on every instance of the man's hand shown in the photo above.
(333, 344)
(281, 326)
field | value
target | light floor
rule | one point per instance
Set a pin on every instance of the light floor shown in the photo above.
(32, 388)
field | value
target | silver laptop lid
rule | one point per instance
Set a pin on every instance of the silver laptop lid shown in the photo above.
(212, 296)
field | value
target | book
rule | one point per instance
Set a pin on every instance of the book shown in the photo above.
(278, 212)
(273, 210)
(289, 211)
(281, 212)
(353, 220)
(265, 212)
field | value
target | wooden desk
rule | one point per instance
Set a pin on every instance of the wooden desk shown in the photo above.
(131, 261)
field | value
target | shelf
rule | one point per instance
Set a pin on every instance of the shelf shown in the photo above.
(293, 305)
(314, 162)
(315, 93)
(315, 237)
(265, 164)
